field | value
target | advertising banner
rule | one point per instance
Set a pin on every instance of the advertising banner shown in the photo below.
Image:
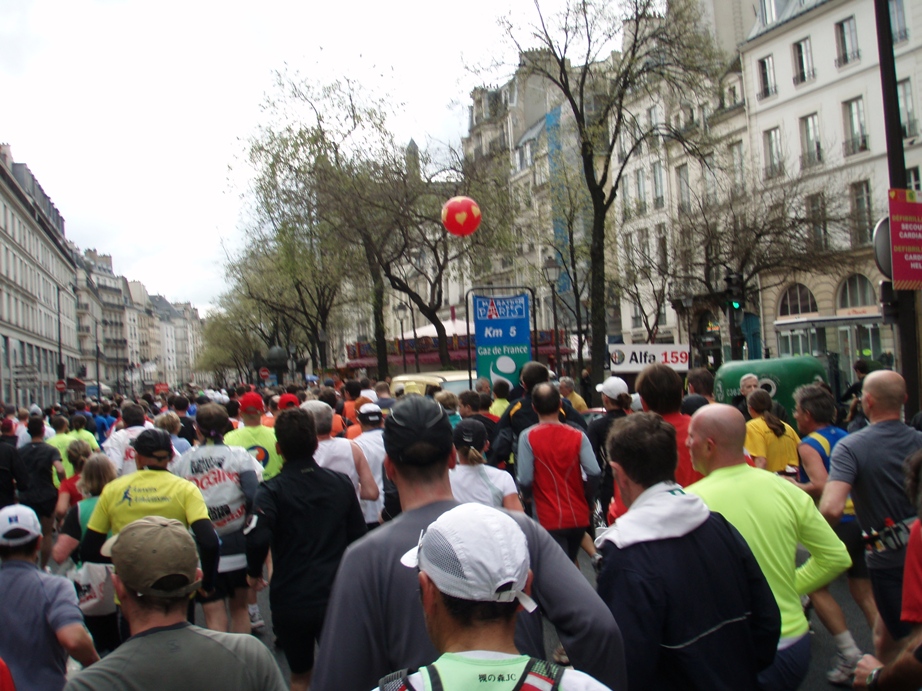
(906, 239)
(503, 336)
(625, 358)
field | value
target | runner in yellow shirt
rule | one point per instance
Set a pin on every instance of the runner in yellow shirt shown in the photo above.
(153, 491)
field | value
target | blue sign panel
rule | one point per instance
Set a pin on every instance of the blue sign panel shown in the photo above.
(501, 325)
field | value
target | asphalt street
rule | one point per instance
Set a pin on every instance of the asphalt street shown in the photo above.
(823, 646)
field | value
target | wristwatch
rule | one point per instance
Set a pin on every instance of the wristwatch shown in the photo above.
(871, 681)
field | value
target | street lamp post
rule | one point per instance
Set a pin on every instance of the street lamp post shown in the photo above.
(401, 311)
(551, 272)
(415, 339)
(98, 383)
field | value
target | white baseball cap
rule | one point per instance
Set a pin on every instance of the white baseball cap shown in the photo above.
(612, 387)
(19, 525)
(476, 553)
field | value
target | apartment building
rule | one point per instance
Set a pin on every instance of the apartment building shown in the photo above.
(38, 275)
(813, 86)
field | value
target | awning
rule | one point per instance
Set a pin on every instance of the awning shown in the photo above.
(74, 383)
(824, 322)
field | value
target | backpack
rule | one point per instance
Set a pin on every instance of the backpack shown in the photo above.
(539, 675)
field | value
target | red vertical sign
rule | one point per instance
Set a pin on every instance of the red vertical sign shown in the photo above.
(906, 239)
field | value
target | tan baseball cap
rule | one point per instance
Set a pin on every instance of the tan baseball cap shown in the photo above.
(152, 548)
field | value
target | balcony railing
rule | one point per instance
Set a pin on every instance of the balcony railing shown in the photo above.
(659, 202)
(804, 76)
(856, 144)
(641, 207)
(848, 58)
(900, 35)
(811, 158)
(684, 207)
(766, 91)
(910, 128)
(774, 170)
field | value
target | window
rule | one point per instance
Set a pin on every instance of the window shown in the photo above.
(857, 291)
(659, 193)
(856, 138)
(643, 247)
(907, 114)
(797, 300)
(732, 95)
(662, 247)
(862, 221)
(816, 217)
(803, 62)
(847, 42)
(640, 185)
(709, 173)
(626, 197)
(653, 122)
(809, 142)
(737, 162)
(636, 316)
(684, 189)
(768, 11)
(898, 21)
(913, 181)
(774, 165)
(767, 85)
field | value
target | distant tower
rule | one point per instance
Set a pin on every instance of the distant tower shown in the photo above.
(412, 159)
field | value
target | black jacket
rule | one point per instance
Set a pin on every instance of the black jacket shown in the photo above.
(13, 475)
(695, 611)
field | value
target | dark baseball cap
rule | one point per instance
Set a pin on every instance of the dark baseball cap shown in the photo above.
(150, 441)
(471, 433)
(416, 419)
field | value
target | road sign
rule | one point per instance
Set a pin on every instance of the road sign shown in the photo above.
(161, 387)
(264, 373)
(60, 386)
(501, 325)
(906, 239)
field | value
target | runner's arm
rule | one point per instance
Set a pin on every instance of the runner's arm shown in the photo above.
(368, 488)
(586, 627)
(813, 466)
(208, 549)
(259, 531)
(76, 640)
(91, 546)
(832, 503)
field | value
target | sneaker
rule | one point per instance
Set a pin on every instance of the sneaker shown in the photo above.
(256, 620)
(844, 671)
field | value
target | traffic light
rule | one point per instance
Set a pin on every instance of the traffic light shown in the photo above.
(889, 303)
(735, 292)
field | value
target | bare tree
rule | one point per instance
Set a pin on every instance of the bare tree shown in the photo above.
(663, 48)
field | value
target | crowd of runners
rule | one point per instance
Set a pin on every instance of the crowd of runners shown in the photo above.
(423, 540)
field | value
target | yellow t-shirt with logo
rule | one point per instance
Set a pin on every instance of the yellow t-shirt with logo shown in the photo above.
(259, 441)
(147, 493)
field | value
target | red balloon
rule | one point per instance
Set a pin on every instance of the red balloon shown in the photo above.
(461, 216)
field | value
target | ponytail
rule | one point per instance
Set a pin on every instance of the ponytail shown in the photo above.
(761, 402)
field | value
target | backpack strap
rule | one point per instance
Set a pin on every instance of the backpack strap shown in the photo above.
(400, 680)
(540, 675)
(395, 681)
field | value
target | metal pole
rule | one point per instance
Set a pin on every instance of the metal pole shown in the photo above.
(556, 332)
(98, 384)
(909, 344)
(403, 346)
(61, 370)
(415, 339)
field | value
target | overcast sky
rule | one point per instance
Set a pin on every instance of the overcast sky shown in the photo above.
(133, 115)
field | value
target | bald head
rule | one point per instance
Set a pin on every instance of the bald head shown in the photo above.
(716, 436)
(884, 393)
